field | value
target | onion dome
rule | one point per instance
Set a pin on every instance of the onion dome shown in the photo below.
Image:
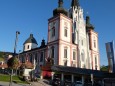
(88, 24)
(60, 9)
(31, 39)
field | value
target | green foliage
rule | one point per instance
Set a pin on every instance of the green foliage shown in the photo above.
(13, 63)
(1, 54)
(104, 68)
(6, 78)
(1, 59)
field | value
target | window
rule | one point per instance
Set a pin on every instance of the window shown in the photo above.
(52, 52)
(41, 57)
(28, 47)
(27, 57)
(65, 32)
(74, 55)
(23, 59)
(36, 57)
(65, 29)
(53, 31)
(75, 25)
(94, 43)
(95, 63)
(95, 60)
(65, 53)
(65, 63)
(31, 60)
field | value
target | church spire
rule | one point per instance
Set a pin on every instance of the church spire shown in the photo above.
(60, 3)
(75, 3)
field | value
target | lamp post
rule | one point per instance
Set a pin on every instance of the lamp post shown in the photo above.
(16, 40)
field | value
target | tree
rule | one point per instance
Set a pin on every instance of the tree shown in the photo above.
(12, 63)
(1, 56)
(104, 68)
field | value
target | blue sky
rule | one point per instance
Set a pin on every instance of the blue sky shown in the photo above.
(31, 16)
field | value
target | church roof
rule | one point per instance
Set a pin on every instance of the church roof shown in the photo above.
(60, 9)
(82, 71)
(31, 39)
(88, 24)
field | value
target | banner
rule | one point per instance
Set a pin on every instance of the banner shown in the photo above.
(111, 56)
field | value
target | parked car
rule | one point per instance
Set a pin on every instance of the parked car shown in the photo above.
(67, 83)
(78, 83)
(56, 82)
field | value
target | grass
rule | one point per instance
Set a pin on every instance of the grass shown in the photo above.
(1, 59)
(15, 79)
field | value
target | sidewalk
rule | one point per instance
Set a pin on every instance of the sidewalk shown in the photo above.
(41, 82)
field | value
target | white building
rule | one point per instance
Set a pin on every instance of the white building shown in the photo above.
(72, 41)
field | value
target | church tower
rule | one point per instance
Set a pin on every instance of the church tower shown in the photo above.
(92, 36)
(30, 43)
(59, 36)
(72, 40)
(79, 33)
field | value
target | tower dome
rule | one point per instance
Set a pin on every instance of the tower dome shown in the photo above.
(30, 43)
(60, 9)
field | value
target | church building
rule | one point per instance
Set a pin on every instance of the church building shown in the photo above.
(72, 42)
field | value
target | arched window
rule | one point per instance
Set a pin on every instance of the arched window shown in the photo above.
(94, 42)
(74, 55)
(52, 52)
(53, 31)
(28, 47)
(31, 60)
(23, 58)
(36, 59)
(65, 52)
(95, 60)
(41, 57)
(95, 63)
(65, 31)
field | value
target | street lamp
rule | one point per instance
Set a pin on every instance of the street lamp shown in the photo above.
(16, 40)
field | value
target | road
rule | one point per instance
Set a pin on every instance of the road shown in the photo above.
(39, 83)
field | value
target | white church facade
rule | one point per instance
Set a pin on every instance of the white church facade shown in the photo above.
(72, 41)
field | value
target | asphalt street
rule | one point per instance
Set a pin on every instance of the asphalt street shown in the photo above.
(39, 83)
